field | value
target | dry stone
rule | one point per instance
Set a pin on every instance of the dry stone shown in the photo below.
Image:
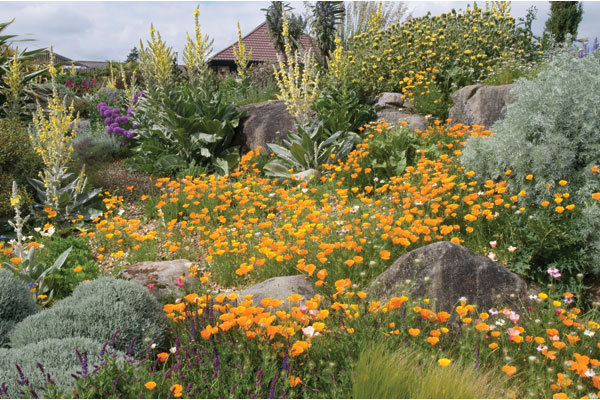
(281, 288)
(395, 116)
(266, 122)
(480, 105)
(162, 274)
(444, 272)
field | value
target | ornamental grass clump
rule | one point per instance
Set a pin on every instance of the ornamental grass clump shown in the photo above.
(382, 373)
(16, 303)
(97, 310)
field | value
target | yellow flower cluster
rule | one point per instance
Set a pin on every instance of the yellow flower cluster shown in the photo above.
(196, 52)
(241, 57)
(54, 131)
(297, 79)
(337, 61)
(155, 61)
(13, 80)
(465, 46)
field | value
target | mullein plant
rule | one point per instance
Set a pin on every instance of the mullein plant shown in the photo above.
(155, 62)
(22, 263)
(196, 54)
(14, 85)
(297, 79)
(242, 57)
(52, 138)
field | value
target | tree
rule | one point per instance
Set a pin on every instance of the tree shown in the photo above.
(325, 18)
(133, 55)
(274, 16)
(565, 17)
(362, 15)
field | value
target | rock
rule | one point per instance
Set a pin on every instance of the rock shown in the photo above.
(445, 272)
(266, 122)
(280, 288)
(109, 95)
(162, 274)
(84, 126)
(481, 105)
(389, 99)
(394, 116)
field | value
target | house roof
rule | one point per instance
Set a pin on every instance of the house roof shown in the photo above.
(261, 45)
(91, 64)
(44, 57)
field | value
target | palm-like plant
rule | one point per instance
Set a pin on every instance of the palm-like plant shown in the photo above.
(274, 16)
(7, 57)
(326, 16)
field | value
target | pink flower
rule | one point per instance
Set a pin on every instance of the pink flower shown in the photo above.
(150, 286)
(514, 317)
(493, 243)
(180, 281)
(303, 309)
(512, 249)
(310, 332)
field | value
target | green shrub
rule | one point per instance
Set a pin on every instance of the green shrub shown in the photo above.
(64, 280)
(183, 128)
(16, 303)
(551, 133)
(58, 357)
(384, 374)
(386, 154)
(340, 109)
(97, 310)
(463, 46)
(18, 161)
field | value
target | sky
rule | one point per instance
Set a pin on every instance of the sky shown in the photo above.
(100, 31)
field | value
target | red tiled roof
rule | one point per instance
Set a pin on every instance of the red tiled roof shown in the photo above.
(261, 45)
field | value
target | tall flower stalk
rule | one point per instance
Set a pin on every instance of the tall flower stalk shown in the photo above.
(18, 223)
(52, 137)
(196, 52)
(156, 62)
(241, 57)
(14, 84)
(297, 79)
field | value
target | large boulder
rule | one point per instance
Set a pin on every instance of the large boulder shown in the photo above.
(161, 275)
(281, 288)
(266, 122)
(389, 99)
(480, 105)
(395, 116)
(444, 272)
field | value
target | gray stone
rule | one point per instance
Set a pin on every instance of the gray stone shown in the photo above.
(389, 99)
(480, 105)
(266, 122)
(109, 94)
(281, 288)
(162, 274)
(395, 116)
(84, 126)
(444, 272)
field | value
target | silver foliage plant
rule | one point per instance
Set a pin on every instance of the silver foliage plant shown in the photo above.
(552, 131)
